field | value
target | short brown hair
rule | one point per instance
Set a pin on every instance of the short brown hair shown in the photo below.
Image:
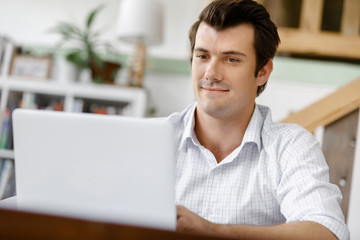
(222, 14)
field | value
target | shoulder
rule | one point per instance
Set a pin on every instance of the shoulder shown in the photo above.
(282, 132)
(286, 139)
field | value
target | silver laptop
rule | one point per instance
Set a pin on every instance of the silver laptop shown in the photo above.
(106, 168)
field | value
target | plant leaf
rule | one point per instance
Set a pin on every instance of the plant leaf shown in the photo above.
(78, 58)
(92, 15)
(68, 31)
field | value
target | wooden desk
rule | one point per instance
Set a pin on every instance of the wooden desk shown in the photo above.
(15, 224)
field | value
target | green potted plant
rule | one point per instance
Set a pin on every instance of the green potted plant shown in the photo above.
(88, 50)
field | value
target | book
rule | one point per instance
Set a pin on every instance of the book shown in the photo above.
(103, 107)
(10, 137)
(78, 105)
(2, 51)
(1, 164)
(6, 176)
(28, 100)
(6, 56)
(6, 137)
(10, 187)
(47, 102)
(5, 129)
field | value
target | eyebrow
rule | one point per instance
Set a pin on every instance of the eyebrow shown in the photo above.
(234, 53)
(231, 52)
(199, 49)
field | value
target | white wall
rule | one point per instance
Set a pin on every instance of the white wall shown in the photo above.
(179, 16)
(168, 93)
(27, 22)
(286, 97)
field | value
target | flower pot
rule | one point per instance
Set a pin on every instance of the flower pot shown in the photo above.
(106, 73)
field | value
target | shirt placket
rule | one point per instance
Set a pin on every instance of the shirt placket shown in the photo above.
(211, 197)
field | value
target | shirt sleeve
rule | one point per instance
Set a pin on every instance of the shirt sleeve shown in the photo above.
(304, 190)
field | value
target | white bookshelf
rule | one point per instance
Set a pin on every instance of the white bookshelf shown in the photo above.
(134, 99)
(54, 89)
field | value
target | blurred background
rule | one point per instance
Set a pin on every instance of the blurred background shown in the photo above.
(300, 76)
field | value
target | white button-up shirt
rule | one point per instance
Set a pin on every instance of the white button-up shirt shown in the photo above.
(278, 174)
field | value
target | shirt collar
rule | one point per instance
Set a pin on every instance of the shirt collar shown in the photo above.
(252, 133)
(189, 131)
(254, 128)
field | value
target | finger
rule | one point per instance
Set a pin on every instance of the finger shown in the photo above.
(179, 211)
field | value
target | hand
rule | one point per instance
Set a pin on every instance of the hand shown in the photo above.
(188, 221)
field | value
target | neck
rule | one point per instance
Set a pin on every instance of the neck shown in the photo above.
(221, 135)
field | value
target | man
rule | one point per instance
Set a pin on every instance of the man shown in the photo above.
(238, 174)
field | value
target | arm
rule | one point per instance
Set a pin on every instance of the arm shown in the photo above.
(188, 221)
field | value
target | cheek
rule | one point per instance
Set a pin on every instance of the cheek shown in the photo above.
(195, 88)
(196, 72)
(243, 82)
(194, 82)
(195, 69)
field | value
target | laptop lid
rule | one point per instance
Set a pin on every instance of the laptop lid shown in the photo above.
(107, 168)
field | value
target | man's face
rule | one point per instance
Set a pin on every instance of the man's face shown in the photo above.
(223, 70)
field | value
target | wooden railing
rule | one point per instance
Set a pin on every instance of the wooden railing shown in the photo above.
(309, 39)
(338, 114)
(329, 109)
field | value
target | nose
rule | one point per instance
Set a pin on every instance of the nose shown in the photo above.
(213, 71)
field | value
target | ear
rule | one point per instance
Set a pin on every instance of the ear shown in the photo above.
(264, 73)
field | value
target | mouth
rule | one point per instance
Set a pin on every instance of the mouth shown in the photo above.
(214, 89)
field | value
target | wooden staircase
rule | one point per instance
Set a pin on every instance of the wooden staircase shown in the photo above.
(338, 115)
(309, 39)
(328, 109)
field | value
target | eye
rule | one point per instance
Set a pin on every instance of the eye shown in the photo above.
(202, 56)
(232, 60)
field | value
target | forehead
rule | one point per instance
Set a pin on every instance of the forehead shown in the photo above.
(239, 38)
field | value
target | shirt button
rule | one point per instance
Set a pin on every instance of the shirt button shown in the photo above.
(209, 212)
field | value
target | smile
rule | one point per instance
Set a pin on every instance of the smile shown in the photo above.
(211, 89)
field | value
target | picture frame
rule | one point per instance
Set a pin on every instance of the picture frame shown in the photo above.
(27, 65)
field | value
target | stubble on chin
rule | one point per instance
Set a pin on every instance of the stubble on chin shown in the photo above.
(211, 107)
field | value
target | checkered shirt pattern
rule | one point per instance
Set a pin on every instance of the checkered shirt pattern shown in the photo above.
(277, 175)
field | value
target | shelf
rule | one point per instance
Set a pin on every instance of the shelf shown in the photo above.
(135, 96)
(6, 154)
(87, 89)
(71, 97)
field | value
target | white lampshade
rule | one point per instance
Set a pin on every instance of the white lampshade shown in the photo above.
(140, 21)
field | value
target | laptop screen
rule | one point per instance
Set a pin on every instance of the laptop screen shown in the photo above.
(107, 168)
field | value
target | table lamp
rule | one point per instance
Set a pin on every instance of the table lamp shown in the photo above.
(140, 23)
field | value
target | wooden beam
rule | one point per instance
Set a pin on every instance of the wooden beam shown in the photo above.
(353, 217)
(339, 150)
(319, 44)
(350, 20)
(274, 10)
(328, 109)
(311, 15)
(261, 1)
